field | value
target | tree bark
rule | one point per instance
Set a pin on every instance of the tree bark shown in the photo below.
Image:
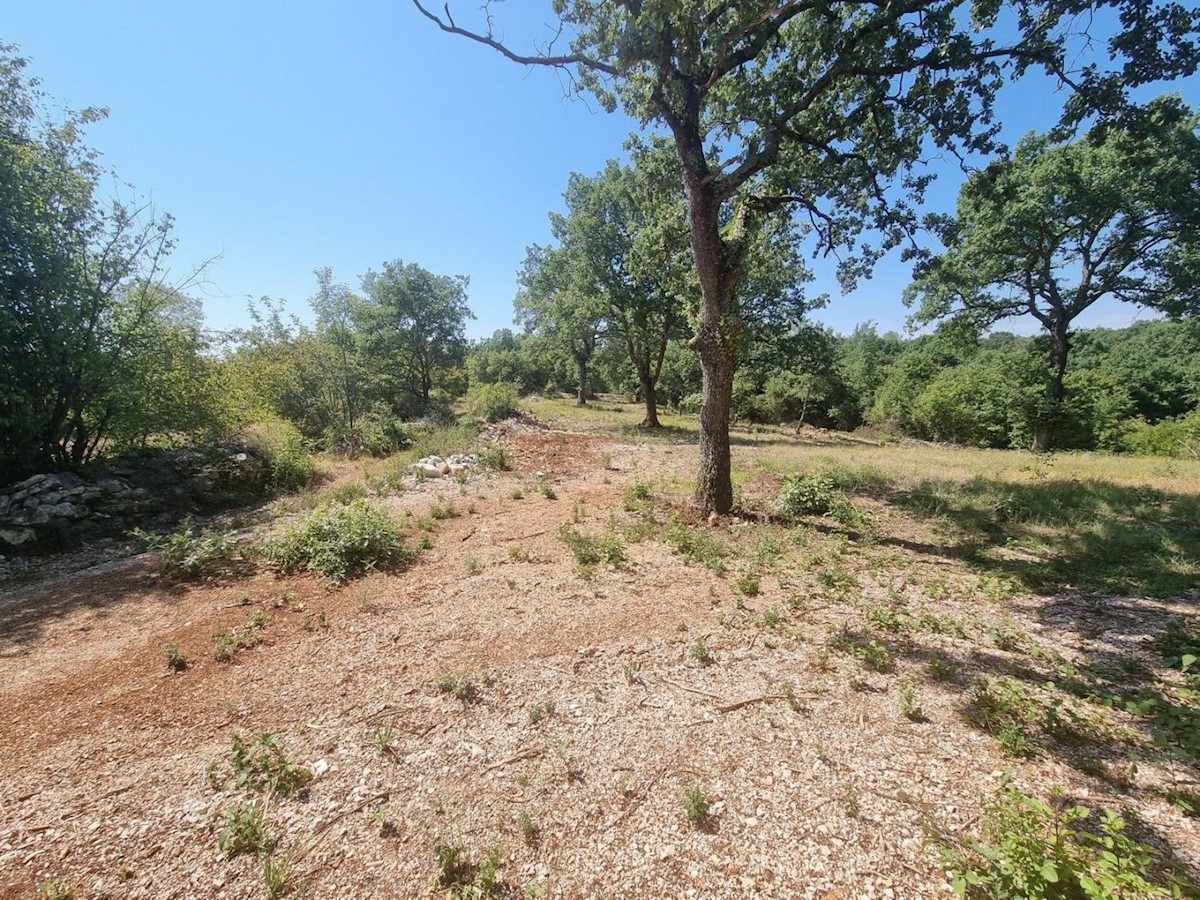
(650, 393)
(1043, 435)
(582, 362)
(716, 342)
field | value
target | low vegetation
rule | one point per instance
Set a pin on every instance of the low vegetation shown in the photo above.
(340, 542)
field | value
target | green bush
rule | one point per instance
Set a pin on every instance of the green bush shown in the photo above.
(340, 542)
(187, 553)
(283, 447)
(1170, 437)
(810, 495)
(1034, 851)
(493, 402)
(377, 434)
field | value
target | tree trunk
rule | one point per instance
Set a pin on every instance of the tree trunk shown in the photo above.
(1043, 435)
(650, 393)
(582, 362)
(716, 341)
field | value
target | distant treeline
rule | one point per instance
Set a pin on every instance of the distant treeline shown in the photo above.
(1130, 389)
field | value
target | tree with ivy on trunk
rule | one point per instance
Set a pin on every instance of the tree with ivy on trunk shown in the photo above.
(825, 108)
(1058, 226)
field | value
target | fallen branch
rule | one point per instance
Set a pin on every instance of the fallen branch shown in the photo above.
(692, 690)
(525, 753)
(738, 704)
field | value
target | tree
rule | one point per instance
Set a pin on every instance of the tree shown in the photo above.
(820, 107)
(416, 330)
(553, 302)
(337, 310)
(1056, 227)
(83, 288)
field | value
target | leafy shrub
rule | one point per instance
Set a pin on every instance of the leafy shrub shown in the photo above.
(283, 447)
(378, 434)
(261, 765)
(244, 831)
(809, 495)
(1170, 437)
(1033, 851)
(591, 550)
(493, 402)
(187, 553)
(340, 542)
(465, 880)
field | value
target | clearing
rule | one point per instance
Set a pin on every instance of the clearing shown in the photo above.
(746, 707)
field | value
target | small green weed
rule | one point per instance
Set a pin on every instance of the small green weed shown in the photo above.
(443, 509)
(186, 553)
(460, 688)
(244, 831)
(540, 711)
(748, 585)
(696, 806)
(591, 550)
(517, 493)
(702, 653)
(176, 661)
(262, 765)
(696, 545)
(464, 879)
(528, 828)
(227, 644)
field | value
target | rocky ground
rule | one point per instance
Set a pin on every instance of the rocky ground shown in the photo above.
(496, 698)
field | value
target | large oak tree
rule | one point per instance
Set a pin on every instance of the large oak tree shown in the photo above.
(823, 106)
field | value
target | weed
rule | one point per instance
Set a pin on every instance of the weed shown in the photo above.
(696, 806)
(631, 671)
(591, 550)
(772, 618)
(748, 585)
(244, 831)
(340, 542)
(176, 661)
(637, 497)
(466, 880)
(578, 511)
(935, 624)
(520, 554)
(942, 669)
(279, 875)
(443, 509)
(805, 495)
(495, 457)
(836, 577)
(793, 701)
(463, 689)
(382, 738)
(821, 661)
(540, 711)
(186, 553)
(910, 705)
(996, 588)
(314, 623)
(249, 634)
(262, 765)
(56, 889)
(695, 545)
(528, 828)
(887, 618)
(702, 653)
(1039, 850)
(424, 543)
(547, 491)
(517, 493)
(1005, 636)
(471, 564)
(853, 802)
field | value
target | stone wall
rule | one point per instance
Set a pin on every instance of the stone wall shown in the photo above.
(173, 482)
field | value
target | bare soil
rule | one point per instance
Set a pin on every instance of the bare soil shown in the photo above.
(825, 794)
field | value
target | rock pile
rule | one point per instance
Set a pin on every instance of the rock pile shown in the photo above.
(63, 498)
(439, 467)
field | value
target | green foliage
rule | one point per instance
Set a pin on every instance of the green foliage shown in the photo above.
(696, 806)
(493, 402)
(227, 644)
(460, 688)
(702, 653)
(807, 495)
(1037, 851)
(176, 661)
(464, 879)
(591, 550)
(261, 765)
(283, 447)
(340, 542)
(244, 831)
(187, 553)
(696, 545)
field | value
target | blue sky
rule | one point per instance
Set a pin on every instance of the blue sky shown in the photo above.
(285, 136)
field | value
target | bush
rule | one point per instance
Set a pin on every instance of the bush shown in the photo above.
(187, 553)
(379, 434)
(340, 542)
(815, 495)
(283, 447)
(1032, 850)
(1170, 437)
(493, 402)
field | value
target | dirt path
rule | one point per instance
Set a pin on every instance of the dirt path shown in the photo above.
(592, 717)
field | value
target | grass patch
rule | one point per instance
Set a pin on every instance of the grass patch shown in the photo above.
(696, 545)
(591, 550)
(187, 553)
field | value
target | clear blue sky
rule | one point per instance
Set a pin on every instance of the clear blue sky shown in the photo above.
(286, 136)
